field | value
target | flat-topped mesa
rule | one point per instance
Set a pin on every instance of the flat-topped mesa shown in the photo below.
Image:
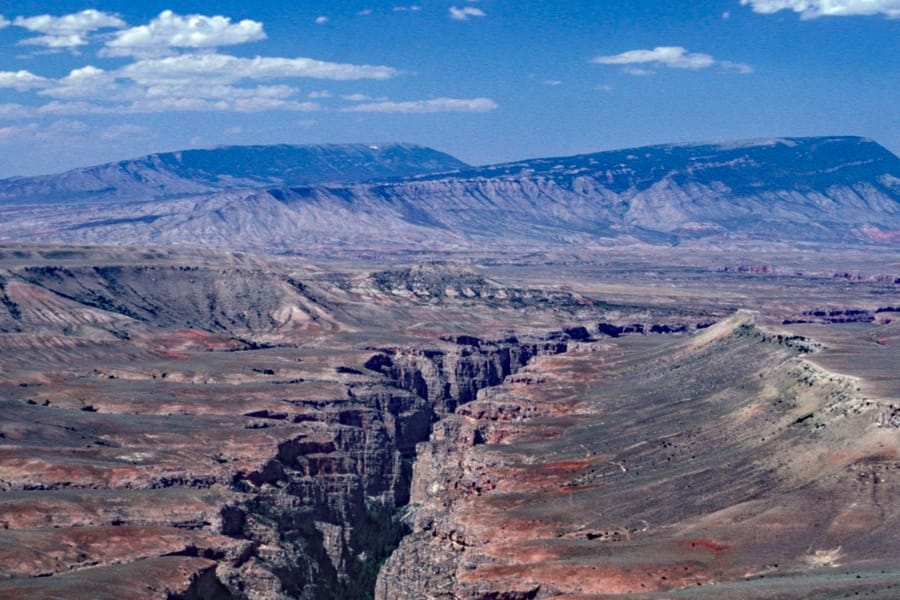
(367, 197)
(190, 172)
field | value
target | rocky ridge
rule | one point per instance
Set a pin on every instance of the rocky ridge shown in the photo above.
(834, 190)
(192, 172)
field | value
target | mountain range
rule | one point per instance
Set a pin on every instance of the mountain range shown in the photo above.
(299, 198)
(186, 172)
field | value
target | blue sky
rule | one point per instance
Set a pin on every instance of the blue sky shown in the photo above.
(488, 80)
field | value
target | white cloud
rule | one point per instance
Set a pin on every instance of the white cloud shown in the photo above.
(436, 105)
(321, 20)
(669, 56)
(66, 126)
(464, 13)
(68, 132)
(240, 102)
(221, 92)
(4, 22)
(57, 107)
(250, 103)
(17, 132)
(14, 111)
(190, 82)
(742, 68)
(67, 31)
(674, 57)
(361, 98)
(123, 131)
(170, 30)
(552, 82)
(226, 68)
(811, 9)
(86, 82)
(21, 80)
(413, 8)
(364, 12)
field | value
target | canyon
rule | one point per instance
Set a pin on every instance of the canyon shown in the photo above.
(657, 373)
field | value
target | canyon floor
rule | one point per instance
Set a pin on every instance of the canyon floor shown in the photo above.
(687, 422)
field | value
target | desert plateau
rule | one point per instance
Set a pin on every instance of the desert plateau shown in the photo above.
(450, 300)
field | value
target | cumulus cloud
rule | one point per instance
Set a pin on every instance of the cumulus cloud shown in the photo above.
(174, 66)
(4, 22)
(674, 57)
(669, 56)
(811, 9)
(477, 105)
(464, 13)
(321, 20)
(190, 82)
(21, 80)
(170, 30)
(86, 82)
(67, 31)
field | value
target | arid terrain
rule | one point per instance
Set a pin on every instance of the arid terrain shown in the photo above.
(675, 379)
(204, 424)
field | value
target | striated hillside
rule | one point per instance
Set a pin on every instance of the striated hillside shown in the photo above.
(837, 189)
(202, 171)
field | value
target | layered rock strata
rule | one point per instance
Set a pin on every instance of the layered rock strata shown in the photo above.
(732, 467)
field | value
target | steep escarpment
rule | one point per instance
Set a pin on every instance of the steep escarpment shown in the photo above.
(732, 467)
(192, 172)
(825, 190)
(123, 299)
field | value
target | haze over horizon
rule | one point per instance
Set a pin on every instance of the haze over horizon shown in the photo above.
(487, 81)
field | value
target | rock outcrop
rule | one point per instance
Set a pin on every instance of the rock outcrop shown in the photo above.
(181, 440)
(731, 467)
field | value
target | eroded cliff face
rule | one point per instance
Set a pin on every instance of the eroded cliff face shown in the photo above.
(323, 513)
(732, 467)
(220, 471)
